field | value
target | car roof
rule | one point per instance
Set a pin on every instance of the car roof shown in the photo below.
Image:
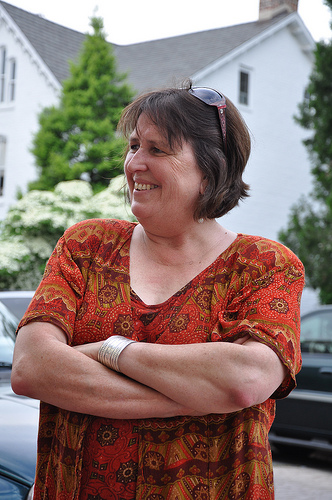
(317, 309)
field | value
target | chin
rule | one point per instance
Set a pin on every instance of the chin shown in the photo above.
(139, 212)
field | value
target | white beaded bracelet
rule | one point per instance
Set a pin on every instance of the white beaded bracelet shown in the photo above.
(111, 349)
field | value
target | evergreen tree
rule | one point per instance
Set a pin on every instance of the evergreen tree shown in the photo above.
(77, 139)
(309, 231)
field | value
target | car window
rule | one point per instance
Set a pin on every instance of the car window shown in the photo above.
(8, 324)
(316, 332)
(17, 302)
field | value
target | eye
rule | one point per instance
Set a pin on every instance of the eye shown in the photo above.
(158, 151)
(133, 147)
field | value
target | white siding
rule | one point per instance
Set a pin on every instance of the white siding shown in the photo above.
(279, 169)
(18, 119)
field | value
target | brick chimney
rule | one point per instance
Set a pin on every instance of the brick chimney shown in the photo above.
(271, 8)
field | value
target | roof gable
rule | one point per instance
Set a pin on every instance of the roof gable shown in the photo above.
(55, 44)
(148, 64)
(159, 62)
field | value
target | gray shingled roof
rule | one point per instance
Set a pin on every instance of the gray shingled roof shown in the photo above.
(55, 44)
(148, 64)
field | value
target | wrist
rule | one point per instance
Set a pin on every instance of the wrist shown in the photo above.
(110, 351)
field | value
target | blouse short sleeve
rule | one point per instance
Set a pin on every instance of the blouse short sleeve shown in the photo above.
(60, 294)
(264, 300)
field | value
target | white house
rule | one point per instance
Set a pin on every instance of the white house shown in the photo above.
(262, 66)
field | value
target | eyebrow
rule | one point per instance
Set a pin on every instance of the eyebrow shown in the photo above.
(156, 142)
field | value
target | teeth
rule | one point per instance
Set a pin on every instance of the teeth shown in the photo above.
(144, 187)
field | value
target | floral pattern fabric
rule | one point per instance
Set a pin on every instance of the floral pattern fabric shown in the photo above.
(253, 287)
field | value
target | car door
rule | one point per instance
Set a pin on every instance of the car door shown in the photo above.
(306, 414)
(314, 390)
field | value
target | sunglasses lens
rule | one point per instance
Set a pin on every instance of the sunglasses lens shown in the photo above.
(209, 96)
(213, 98)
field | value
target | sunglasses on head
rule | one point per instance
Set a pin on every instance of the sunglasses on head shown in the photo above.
(213, 98)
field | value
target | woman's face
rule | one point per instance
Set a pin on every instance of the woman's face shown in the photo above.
(163, 182)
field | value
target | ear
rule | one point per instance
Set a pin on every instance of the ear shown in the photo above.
(203, 185)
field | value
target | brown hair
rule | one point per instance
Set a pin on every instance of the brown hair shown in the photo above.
(181, 116)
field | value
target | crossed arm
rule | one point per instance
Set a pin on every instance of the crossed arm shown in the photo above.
(156, 380)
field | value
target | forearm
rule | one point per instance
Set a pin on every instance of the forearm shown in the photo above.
(60, 375)
(210, 377)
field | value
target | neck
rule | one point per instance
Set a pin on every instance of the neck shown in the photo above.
(186, 247)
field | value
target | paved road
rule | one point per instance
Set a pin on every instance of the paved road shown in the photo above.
(298, 478)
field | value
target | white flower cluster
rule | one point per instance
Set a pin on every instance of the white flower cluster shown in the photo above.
(111, 201)
(12, 253)
(39, 247)
(40, 215)
(70, 202)
(75, 191)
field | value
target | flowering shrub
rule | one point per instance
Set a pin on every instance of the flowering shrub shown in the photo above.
(35, 223)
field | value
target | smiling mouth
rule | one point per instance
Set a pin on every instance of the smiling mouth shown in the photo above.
(144, 187)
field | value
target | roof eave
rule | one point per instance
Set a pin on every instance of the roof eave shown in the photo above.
(29, 49)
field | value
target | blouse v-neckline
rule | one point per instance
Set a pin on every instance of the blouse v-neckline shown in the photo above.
(138, 300)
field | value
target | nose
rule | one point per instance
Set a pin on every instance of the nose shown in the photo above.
(136, 161)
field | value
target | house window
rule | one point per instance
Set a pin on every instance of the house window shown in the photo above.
(2, 162)
(2, 150)
(2, 181)
(2, 73)
(12, 77)
(244, 88)
(8, 70)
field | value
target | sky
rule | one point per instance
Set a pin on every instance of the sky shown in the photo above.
(133, 21)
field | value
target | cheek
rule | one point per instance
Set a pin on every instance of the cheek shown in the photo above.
(126, 166)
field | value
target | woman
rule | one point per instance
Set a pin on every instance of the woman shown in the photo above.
(183, 411)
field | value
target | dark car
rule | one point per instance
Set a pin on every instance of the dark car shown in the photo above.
(304, 418)
(18, 423)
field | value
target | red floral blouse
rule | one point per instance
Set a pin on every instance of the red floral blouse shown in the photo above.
(253, 287)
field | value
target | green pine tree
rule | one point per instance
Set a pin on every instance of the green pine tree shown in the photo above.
(309, 231)
(77, 139)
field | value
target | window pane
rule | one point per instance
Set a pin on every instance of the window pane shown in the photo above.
(316, 333)
(2, 181)
(2, 73)
(244, 88)
(2, 150)
(12, 69)
(317, 326)
(12, 74)
(2, 162)
(2, 89)
(3, 60)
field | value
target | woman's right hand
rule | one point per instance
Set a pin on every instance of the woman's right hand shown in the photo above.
(91, 350)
